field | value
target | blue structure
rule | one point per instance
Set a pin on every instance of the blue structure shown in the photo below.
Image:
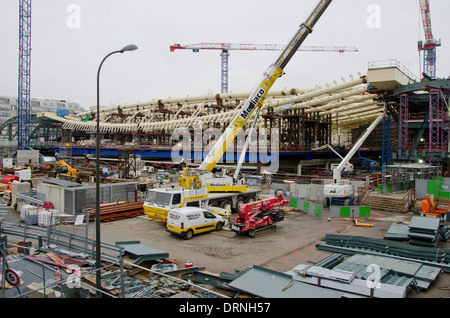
(24, 98)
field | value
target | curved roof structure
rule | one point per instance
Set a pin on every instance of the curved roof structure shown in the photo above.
(350, 100)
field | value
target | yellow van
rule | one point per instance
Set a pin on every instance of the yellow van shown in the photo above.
(189, 221)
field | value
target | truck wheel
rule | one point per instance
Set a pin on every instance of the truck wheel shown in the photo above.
(188, 234)
(326, 202)
(219, 226)
(240, 201)
(250, 199)
(226, 205)
(347, 202)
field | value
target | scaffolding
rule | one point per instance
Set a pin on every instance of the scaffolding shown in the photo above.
(403, 122)
(127, 162)
(409, 172)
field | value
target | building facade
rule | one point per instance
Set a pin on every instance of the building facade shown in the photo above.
(8, 106)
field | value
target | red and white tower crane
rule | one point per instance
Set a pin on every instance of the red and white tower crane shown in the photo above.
(430, 44)
(225, 47)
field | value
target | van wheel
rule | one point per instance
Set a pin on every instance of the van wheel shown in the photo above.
(219, 226)
(188, 234)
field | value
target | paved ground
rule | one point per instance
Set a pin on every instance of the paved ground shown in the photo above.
(293, 243)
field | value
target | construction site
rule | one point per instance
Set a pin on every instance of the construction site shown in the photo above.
(334, 191)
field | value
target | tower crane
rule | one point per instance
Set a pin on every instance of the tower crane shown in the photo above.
(225, 47)
(24, 98)
(430, 44)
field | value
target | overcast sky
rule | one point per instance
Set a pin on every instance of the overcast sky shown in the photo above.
(70, 38)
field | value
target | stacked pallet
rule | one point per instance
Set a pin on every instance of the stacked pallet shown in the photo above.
(393, 203)
(118, 210)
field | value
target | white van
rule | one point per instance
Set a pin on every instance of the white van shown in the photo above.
(188, 221)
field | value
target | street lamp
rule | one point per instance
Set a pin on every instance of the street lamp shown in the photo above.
(130, 47)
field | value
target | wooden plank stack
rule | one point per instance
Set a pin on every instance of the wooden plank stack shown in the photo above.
(387, 203)
(118, 210)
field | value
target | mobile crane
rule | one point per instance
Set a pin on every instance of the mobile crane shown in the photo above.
(260, 217)
(200, 184)
(338, 193)
(348, 166)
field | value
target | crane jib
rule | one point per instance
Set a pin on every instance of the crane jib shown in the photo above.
(258, 97)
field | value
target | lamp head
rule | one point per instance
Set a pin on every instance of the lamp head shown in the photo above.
(130, 47)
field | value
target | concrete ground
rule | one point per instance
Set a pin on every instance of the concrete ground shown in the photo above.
(292, 243)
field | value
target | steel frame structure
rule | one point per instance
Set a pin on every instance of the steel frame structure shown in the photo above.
(24, 98)
(403, 122)
(436, 123)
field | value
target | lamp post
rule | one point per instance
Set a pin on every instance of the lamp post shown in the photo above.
(98, 276)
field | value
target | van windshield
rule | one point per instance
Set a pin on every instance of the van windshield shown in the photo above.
(158, 198)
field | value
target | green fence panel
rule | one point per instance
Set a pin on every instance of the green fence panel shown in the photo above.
(432, 188)
(317, 210)
(306, 206)
(364, 211)
(293, 202)
(345, 211)
(444, 195)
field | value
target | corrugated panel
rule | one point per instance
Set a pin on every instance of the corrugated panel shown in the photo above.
(62, 183)
(266, 283)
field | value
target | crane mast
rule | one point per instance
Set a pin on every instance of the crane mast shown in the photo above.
(429, 47)
(259, 93)
(24, 97)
